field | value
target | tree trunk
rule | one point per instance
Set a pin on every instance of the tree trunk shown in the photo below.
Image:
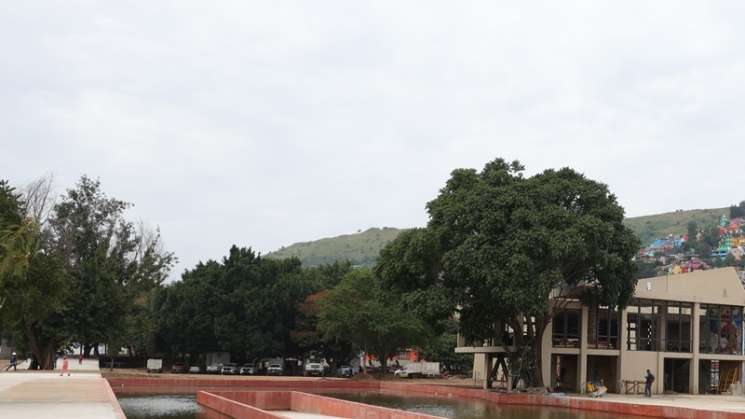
(537, 346)
(43, 352)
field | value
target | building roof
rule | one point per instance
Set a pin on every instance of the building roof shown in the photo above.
(713, 286)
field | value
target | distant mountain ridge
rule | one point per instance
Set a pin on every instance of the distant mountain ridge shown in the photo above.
(362, 248)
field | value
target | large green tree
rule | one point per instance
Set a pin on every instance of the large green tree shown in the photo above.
(34, 287)
(113, 263)
(499, 243)
(358, 310)
(246, 305)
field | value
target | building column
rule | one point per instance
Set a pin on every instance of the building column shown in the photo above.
(695, 339)
(547, 344)
(582, 364)
(623, 337)
(487, 370)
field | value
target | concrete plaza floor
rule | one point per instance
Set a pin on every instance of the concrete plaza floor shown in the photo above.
(722, 403)
(37, 394)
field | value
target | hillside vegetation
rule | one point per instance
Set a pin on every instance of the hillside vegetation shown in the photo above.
(650, 227)
(362, 248)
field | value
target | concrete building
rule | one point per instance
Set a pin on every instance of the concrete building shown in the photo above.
(687, 329)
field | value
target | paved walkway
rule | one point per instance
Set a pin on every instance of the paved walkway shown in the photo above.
(42, 395)
(707, 402)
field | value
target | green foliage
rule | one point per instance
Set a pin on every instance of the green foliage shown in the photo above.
(361, 249)
(651, 227)
(111, 262)
(34, 287)
(358, 310)
(736, 211)
(246, 305)
(506, 242)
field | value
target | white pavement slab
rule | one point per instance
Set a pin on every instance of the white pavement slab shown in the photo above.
(47, 395)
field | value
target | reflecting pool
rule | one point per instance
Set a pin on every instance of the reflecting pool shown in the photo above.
(470, 409)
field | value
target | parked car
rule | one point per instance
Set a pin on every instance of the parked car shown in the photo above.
(275, 369)
(345, 371)
(178, 367)
(195, 369)
(229, 369)
(248, 369)
(154, 365)
(214, 368)
(313, 369)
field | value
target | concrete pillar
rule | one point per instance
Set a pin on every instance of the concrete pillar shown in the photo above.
(546, 345)
(582, 364)
(658, 387)
(695, 339)
(487, 370)
(623, 337)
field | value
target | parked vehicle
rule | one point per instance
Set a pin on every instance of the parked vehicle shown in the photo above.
(313, 368)
(214, 368)
(178, 367)
(418, 369)
(195, 369)
(275, 369)
(229, 369)
(345, 371)
(248, 369)
(154, 365)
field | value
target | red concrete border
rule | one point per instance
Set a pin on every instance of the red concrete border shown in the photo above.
(313, 403)
(183, 386)
(600, 405)
(190, 385)
(250, 405)
(232, 408)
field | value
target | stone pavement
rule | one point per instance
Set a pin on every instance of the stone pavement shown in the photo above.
(41, 395)
(723, 403)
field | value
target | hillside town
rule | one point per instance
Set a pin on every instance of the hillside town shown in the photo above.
(676, 254)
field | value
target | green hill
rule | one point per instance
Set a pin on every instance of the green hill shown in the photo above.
(360, 248)
(650, 227)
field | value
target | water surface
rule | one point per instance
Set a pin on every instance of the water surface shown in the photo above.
(164, 407)
(470, 409)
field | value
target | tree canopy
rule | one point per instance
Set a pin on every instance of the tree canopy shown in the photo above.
(498, 243)
(358, 310)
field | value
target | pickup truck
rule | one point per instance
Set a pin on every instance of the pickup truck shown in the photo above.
(313, 368)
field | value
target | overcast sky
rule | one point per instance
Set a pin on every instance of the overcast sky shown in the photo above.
(264, 125)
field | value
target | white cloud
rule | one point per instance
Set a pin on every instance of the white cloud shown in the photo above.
(268, 124)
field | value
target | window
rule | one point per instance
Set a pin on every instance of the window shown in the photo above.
(720, 329)
(603, 328)
(678, 327)
(642, 326)
(566, 329)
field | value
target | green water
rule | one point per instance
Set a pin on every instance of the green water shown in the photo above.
(471, 409)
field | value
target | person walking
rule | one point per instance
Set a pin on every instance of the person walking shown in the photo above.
(13, 362)
(65, 367)
(648, 380)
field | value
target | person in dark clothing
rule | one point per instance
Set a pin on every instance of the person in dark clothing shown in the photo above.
(13, 362)
(648, 380)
